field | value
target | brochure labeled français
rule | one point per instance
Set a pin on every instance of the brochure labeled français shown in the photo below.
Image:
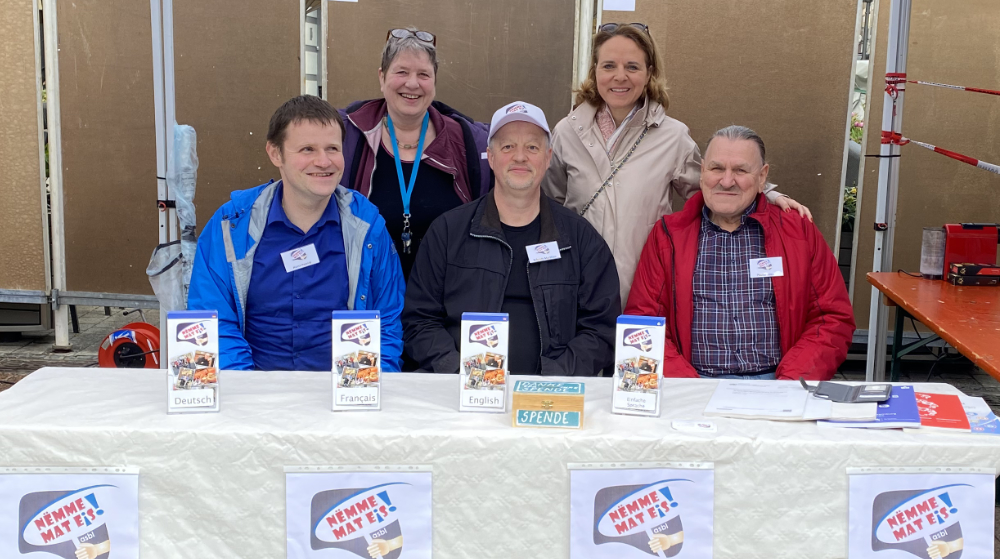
(357, 360)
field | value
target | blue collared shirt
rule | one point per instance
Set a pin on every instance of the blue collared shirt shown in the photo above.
(734, 329)
(288, 313)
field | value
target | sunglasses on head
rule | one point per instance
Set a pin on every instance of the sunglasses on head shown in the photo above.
(611, 27)
(422, 36)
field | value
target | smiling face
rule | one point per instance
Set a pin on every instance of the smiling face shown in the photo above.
(408, 84)
(519, 155)
(622, 73)
(311, 161)
(732, 175)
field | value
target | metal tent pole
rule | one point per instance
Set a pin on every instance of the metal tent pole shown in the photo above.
(58, 238)
(584, 35)
(888, 185)
(161, 19)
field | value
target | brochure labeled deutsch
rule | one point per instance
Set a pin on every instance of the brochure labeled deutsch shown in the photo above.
(357, 360)
(483, 367)
(192, 361)
(638, 365)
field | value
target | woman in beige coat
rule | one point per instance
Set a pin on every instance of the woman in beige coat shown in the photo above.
(617, 156)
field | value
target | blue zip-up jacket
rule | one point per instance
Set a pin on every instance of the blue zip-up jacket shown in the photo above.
(223, 265)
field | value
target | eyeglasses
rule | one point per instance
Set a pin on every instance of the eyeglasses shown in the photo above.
(422, 36)
(611, 27)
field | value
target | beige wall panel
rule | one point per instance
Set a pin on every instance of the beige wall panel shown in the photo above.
(22, 251)
(234, 68)
(108, 144)
(952, 43)
(489, 53)
(781, 67)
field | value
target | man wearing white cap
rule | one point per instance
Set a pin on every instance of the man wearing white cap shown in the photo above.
(515, 251)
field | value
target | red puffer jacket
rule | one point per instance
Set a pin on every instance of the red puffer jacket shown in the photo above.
(815, 317)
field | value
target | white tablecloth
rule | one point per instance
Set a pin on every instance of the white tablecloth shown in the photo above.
(212, 485)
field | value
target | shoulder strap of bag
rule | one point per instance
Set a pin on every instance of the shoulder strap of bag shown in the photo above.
(615, 171)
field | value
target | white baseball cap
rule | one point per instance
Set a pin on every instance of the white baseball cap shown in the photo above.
(518, 110)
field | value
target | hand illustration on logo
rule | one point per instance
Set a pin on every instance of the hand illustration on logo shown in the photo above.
(381, 548)
(662, 542)
(91, 551)
(940, 549)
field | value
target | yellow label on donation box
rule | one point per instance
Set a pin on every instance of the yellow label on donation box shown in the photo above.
(548, 404)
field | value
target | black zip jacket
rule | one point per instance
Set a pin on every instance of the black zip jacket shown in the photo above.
(463, 265)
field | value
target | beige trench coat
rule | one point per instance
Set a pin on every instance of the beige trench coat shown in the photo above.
(666, 159)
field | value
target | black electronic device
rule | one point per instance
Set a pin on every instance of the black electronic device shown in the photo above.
(849, 393)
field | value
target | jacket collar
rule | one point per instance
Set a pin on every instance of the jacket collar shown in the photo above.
(368, 119)
(649, 114)
(692, 212)
(486, 220)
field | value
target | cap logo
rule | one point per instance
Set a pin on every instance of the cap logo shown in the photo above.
(517, 109)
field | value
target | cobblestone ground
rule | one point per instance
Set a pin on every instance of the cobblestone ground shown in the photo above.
(20, 355)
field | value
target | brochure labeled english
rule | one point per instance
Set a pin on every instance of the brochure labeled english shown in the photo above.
(483, 367)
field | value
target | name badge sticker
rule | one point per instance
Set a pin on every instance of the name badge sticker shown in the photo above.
(543, 251)
(299, 258)
(766, 267)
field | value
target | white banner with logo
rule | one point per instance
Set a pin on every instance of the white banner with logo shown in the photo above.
(350, 512)
(622, 511)
(73, 513)
(928, 513)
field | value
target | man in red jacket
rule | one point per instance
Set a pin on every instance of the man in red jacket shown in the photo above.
(749, 290)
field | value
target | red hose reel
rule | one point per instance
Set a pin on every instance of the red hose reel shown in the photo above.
(133, 346)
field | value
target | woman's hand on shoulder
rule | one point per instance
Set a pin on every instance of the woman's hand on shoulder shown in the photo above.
(787, 204)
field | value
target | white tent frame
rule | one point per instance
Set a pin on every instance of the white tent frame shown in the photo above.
(888, 186)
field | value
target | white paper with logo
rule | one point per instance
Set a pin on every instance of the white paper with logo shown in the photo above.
(192, 361)
(385, 514)
(68, 513)
(483, 369)
(634, 511)
(930, 513)
(638, 365)
(357, 360)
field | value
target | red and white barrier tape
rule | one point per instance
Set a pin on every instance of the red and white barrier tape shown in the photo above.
(894, 81)
(900, 140)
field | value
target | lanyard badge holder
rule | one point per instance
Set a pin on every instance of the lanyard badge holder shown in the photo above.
(405, 190)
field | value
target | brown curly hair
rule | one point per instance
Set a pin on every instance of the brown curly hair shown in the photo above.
(656, 87)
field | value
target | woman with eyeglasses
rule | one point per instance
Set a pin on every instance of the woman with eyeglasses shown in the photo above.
(617, 156)
(413, 157)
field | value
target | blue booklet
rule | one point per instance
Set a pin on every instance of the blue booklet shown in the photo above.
(982, 420)
(899, 411)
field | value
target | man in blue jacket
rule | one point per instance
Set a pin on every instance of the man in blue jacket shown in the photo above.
(276, 259)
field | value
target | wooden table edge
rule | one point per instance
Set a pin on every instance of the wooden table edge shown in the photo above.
(945, 335)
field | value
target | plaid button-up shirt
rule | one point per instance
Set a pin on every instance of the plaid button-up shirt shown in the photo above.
(734, 327)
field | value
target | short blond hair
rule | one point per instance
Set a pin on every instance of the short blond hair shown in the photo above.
(656, 88)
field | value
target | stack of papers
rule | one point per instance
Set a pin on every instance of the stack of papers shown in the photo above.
(780, 401)
(899, 411)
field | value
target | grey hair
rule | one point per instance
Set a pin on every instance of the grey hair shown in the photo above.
(736, 132)
(393, 47)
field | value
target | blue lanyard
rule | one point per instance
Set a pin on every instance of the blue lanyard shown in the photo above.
(407, 191)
